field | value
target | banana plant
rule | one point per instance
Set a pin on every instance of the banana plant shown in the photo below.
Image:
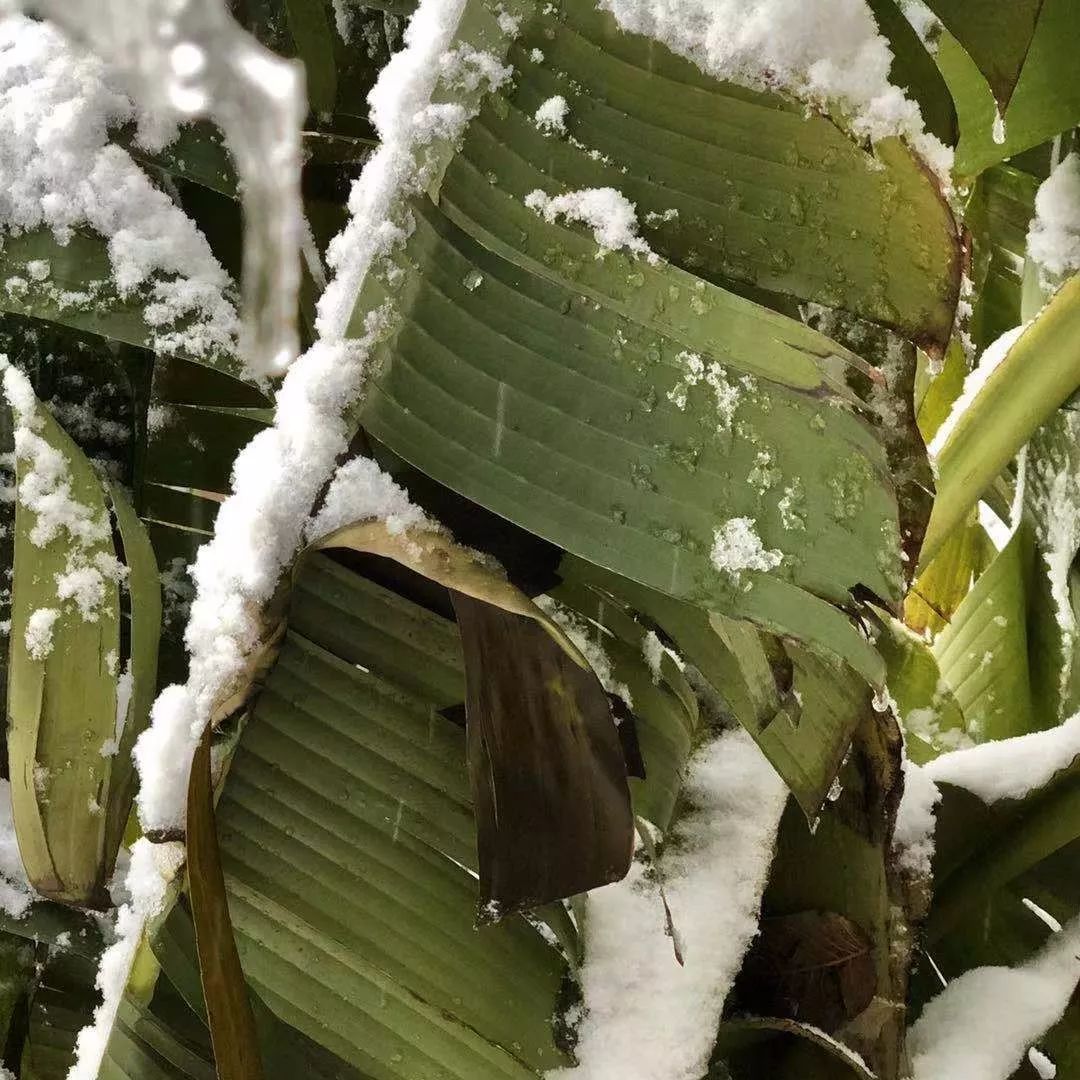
(636, 636)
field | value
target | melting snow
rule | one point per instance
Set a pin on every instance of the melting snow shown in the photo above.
(737, 547)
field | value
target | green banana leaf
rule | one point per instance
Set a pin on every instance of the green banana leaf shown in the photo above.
(72, 784)
(350, 853)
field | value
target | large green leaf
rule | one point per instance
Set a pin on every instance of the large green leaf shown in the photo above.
(349, 848)
(1040, 371)
(518, 347)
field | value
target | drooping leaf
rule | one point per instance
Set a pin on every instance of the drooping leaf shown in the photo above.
(229, 1016)
(1040, 371)
(1046, 99)
(547, 772)
(997, 37)
(545, 764)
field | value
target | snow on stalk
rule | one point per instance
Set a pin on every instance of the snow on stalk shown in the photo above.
(980, 1027)
(278, 476)
(183, 59)
(827, 53)
(645, 1013)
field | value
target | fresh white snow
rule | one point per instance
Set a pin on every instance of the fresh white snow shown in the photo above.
(829, 54)
(646, 1017)
(1053, 239)
(737, 547)
(1009, 768)
(58, 171)
(981, 1025)
(550, 117)
(610, 215)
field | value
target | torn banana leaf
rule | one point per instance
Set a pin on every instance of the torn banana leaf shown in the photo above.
(545, 763)
(806, 740)
(349, 851)
(618, 406)
(72, 783)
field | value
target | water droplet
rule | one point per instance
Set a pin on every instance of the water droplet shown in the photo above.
(472, 280)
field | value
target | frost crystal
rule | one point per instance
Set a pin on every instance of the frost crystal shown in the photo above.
(737, 547)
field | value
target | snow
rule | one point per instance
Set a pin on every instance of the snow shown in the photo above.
(361, 491)
(991, 358)
(913, 837)
(737, 547)
(181, 60)
(653, 650)
(829, 54)
(39, 632)
(550, 117)
(151, 869)
(16, 892)
(278, 476)
(1043, 1066)
(609, 213)
(981, 1026)
(646, 1016)
(923, 21)
(407, 123)
(588, 638)
(59, 172)
(1053, 240)
(1009, 768)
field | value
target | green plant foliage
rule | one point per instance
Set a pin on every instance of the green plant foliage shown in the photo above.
(58, 769)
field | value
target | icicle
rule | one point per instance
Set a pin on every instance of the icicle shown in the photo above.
(184, 59)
